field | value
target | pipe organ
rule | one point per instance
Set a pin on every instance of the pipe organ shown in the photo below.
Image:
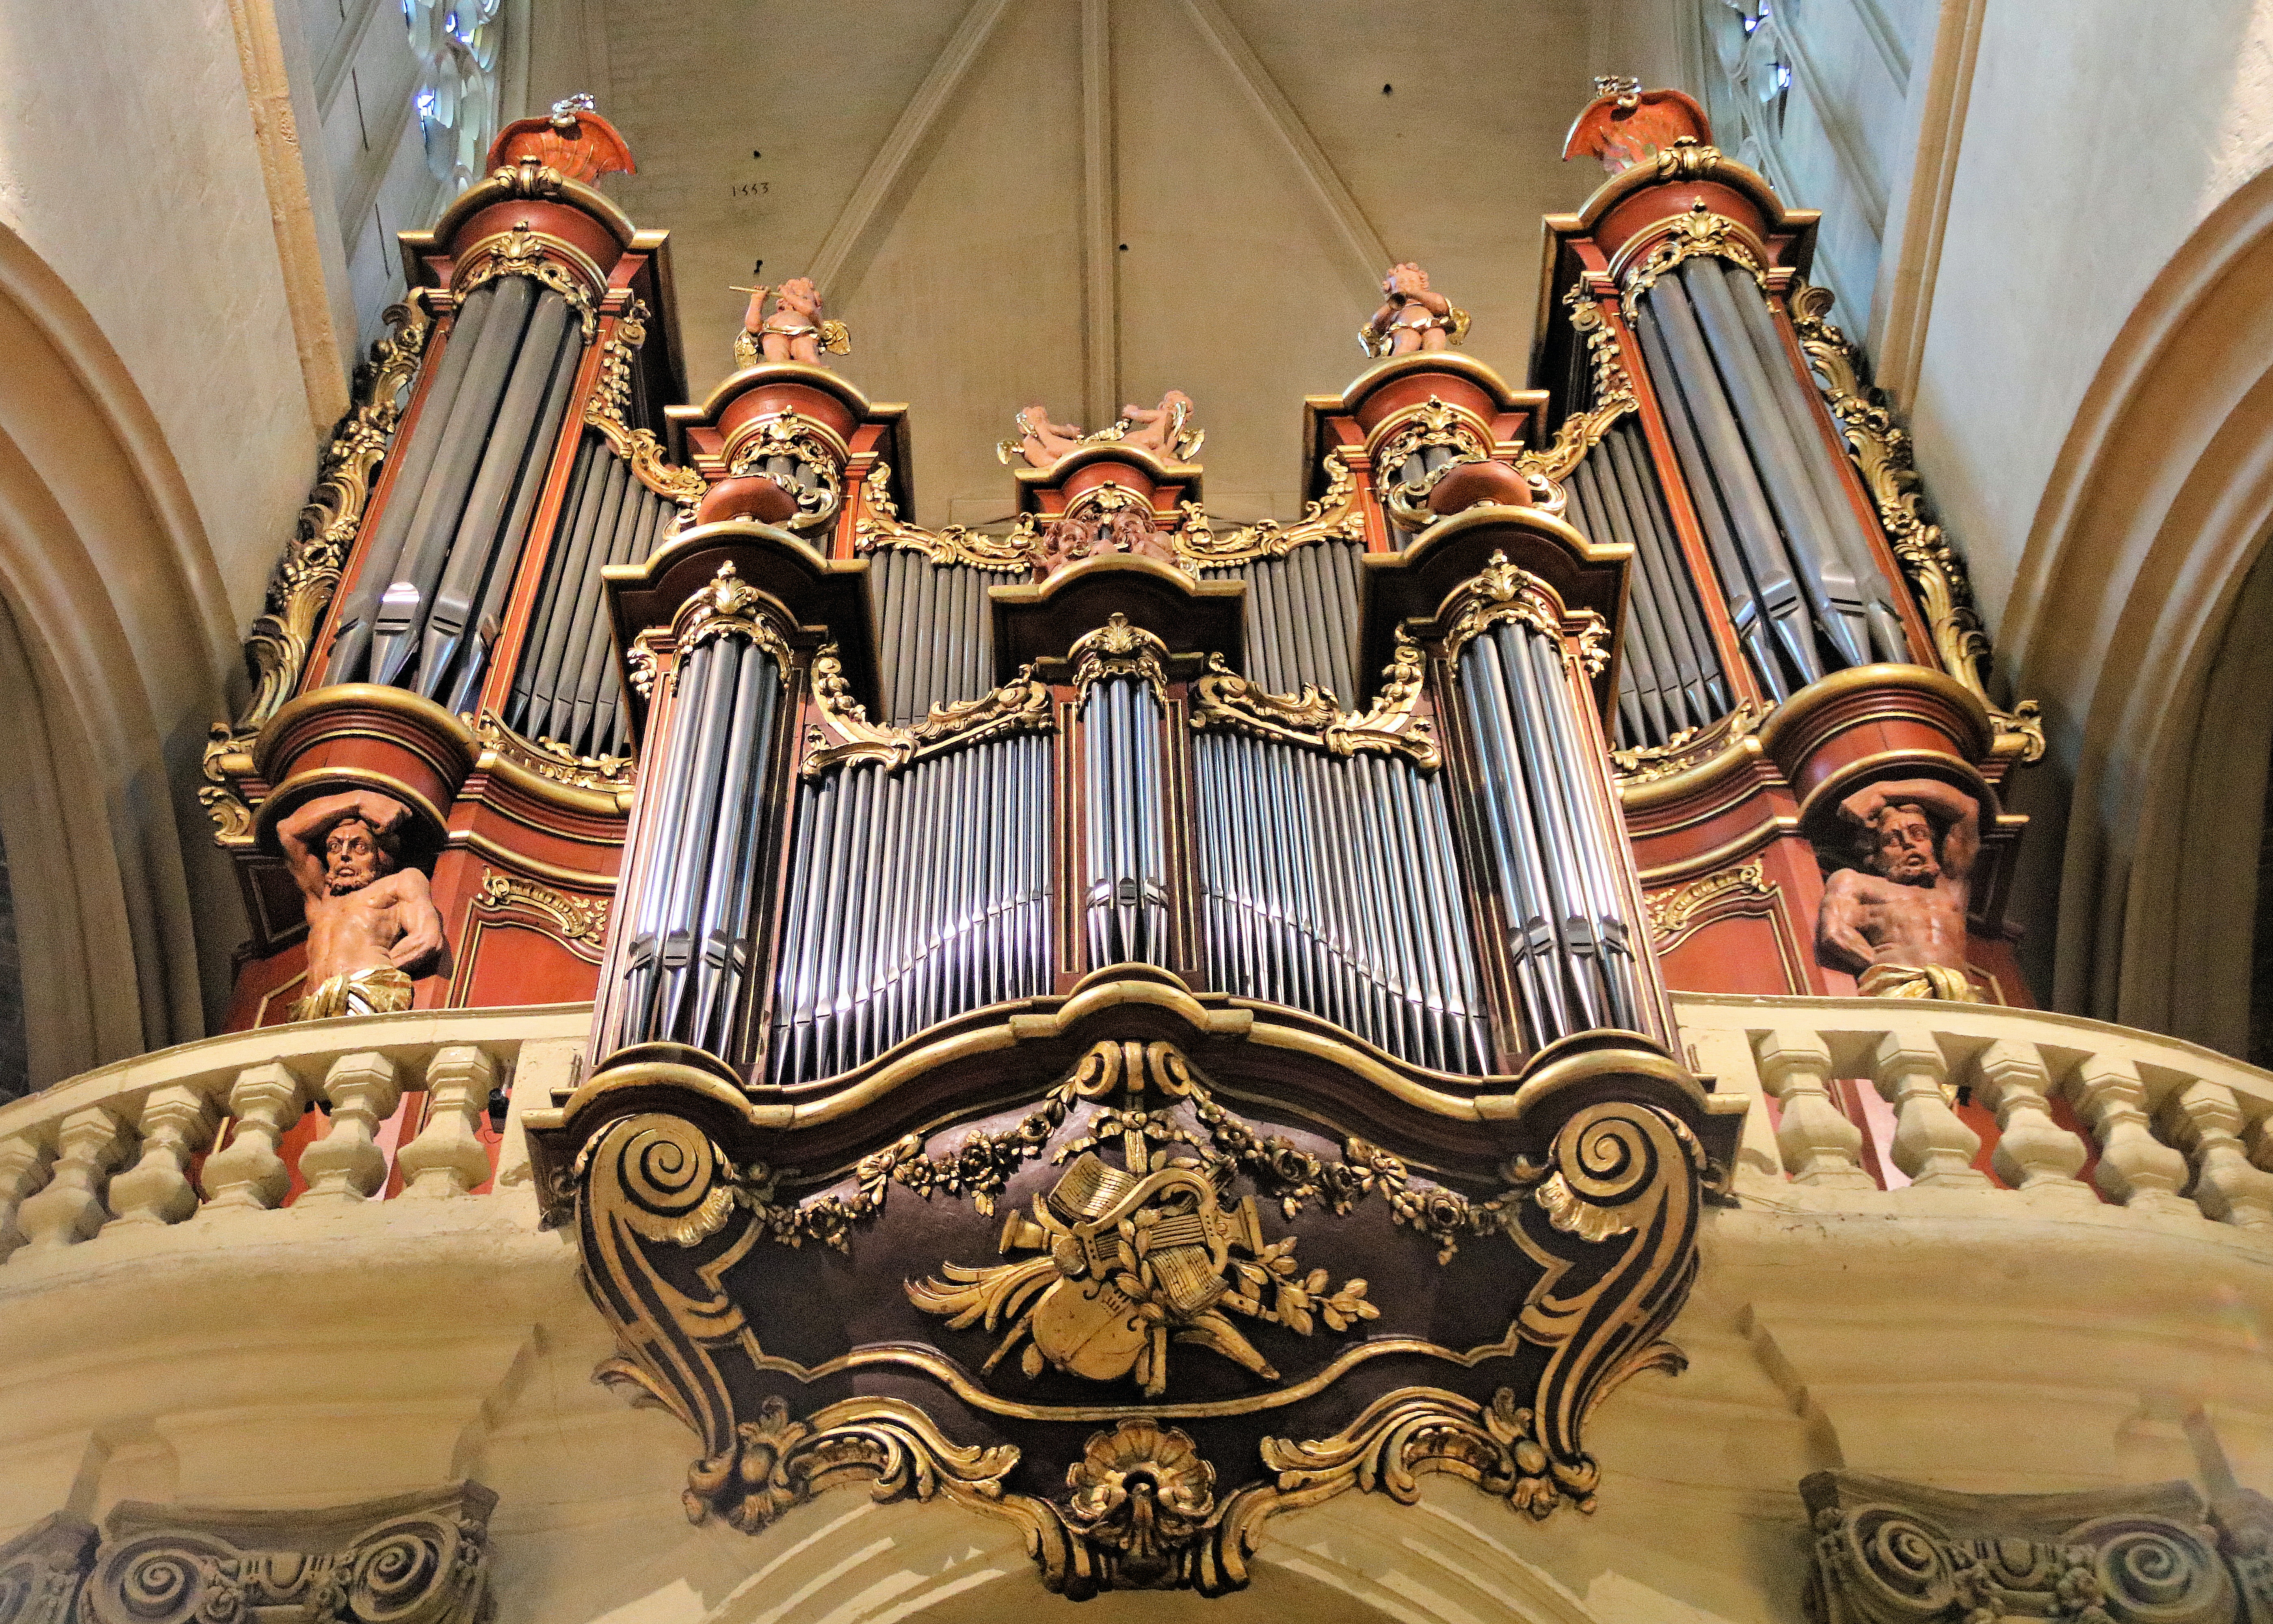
(1340, 864)
(912, 774)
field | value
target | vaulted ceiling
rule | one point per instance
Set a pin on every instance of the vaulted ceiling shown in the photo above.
(1085, 202)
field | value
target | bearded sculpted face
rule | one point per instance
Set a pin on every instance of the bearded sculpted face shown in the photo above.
(1902, 847)
(352, 857)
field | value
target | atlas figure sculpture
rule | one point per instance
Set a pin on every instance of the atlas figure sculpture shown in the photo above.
(1898, 924)
(371, 921)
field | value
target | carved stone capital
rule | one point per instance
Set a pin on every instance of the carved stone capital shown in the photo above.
(1892, 1552)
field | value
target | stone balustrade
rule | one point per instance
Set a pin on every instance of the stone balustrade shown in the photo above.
(2172, 1128)
(121, 1146)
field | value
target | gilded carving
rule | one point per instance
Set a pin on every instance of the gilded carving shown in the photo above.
(1164, 430)
(729, 607)
(1673, 914)
(612, 394)
(580, 923)
(1690, 747)
(1503, 592)
(550, 759)
(1335, 516)
(1892, 1552)
(1435, 426)
(1699, 232)
(1882, 451)
(1314, 718)
(276, 649)
(845, 733)
(1136, 1242)
(880, 525)
(523, 252)
(785, 443)
(1117, 648)
(1613, 399)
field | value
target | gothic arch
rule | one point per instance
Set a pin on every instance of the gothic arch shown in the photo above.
(2156, 513)
(114, 635)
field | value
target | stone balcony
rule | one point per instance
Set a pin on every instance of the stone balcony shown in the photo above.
(302, 1266)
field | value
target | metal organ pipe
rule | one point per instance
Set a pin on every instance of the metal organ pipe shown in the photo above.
(1668, 677)
(568, 689)
(680, 970)
(1555, 846)
(432, 585)
(912, 897)
(1330, 885)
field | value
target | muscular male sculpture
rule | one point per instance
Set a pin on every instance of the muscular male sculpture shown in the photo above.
(371, 924)
(1901, 927)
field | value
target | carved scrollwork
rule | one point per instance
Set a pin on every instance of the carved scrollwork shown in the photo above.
(1335, 516)
(523, 252)
(550, 759)
(1433, 427)
(418, 1559)
(786, 442)
(1314, 719)
(1613, 399)
(729, 607)
(1690, 747)
(1146, 1191)
(1882, 452)
(845, 733)
(1890, 1553)
(880, 525)
(1503, 592)
(1674, 914)
(580, 923)
(276, 649)
(42, 1568)
(1119, 648)
(1698, 233)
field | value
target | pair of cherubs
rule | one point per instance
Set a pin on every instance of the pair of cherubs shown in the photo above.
(1160, 430)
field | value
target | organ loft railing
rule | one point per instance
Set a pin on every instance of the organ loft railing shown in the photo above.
(1192, 876)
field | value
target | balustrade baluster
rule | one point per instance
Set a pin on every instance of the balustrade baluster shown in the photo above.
(2134, 1168)
(177, 1122)
(2033, 1152)
(2204, 1119)
(1931, 1144)
(24, 1162)
(346, 1165)
(448, 1158)
(266, 1100)
(1820, 1145)
(70, 1209)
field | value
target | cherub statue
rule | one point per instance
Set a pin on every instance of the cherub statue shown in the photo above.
(1413, 315)
(796, 330)
(1040, 441)
(1898, 923)
(1160, 430)
(371, 923)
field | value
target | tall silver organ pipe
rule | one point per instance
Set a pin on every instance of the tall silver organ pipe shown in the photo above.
(680, 967)
(1125, 876)
(431, 589)
(1332, 885)
(934, 632)
(1803, 587)
(1554, 846)
(1303, 618)
(911, 897)
(568, 688)
(1669, 678)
